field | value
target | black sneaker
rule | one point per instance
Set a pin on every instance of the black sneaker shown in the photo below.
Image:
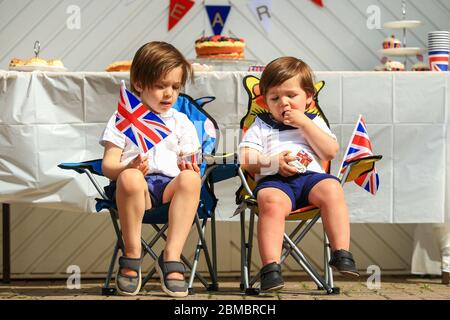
(343, 262)
(271, 279)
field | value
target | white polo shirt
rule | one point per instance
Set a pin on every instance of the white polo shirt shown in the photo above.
(271, 137)
(162, 158)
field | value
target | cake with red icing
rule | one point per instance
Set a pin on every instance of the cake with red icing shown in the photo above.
(220, 47)
(391, 42)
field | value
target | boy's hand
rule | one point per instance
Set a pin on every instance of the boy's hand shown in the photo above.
(285, 169)
(140, 163)
(293, 117)
(183, 165)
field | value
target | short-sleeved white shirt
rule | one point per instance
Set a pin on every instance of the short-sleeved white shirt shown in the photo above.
(162, 158)
(270, 138)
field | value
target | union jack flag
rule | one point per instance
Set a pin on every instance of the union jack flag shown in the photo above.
(143, 127)
(438, 60)
(360, 147)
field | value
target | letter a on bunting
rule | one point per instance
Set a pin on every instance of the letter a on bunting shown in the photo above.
(177, 10)
(217, 17)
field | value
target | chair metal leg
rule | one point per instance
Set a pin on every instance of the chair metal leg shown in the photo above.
(250, 241)
(202, 245)
(106, 289)
(301, 259)
(6, 213)
(214, 286)
(326, 263)
(244, 266)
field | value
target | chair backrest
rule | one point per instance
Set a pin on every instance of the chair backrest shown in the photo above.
(256, 107)
(208, 135)
(206, 126)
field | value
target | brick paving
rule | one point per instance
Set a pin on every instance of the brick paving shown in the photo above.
(299, 288)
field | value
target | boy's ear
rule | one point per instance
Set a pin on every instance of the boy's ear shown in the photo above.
(138, 87)
(309, 99)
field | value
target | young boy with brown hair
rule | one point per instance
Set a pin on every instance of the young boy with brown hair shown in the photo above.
(144, 181)
(267, 148)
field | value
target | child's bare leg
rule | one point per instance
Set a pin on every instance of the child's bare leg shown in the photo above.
(328, 195)
(132, 200)
(184, 193)
(274, 205)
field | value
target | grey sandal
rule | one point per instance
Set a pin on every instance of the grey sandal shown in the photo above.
(174, 288)
(128, 285)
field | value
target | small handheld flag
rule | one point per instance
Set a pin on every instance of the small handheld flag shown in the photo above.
(143, 127)
(360, 147)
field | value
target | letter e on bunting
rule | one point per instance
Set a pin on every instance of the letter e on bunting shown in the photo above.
(177, 10)
(318, 2)
(217, 17)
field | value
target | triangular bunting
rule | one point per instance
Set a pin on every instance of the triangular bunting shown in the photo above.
(217, 17)
(262, 9)
(318, 2)
(177, 10)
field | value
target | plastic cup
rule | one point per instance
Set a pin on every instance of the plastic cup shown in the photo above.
(438, 59)
(191, 157)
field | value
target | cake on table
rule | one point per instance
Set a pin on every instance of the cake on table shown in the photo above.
(37, 62)
(217, 46)
(119, 66)
(394, 66)
(391, 42)
(420, 66)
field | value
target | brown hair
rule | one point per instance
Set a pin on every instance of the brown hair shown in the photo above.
(284, 68)
(154, 60)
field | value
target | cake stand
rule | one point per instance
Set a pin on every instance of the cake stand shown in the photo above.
(403, 24)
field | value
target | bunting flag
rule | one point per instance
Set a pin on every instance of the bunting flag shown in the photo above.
(318, 2)
(217, 17)
(177, 10)
(262, 9)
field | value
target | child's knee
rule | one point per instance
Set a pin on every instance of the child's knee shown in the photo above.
(269, 202)
(329, 192)
(131, 181)
(189, 180)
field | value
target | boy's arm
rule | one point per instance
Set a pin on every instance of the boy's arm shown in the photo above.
(111, 165)
(254, 161)
(325, 146)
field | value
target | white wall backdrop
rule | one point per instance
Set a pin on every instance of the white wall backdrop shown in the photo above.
(335, 37)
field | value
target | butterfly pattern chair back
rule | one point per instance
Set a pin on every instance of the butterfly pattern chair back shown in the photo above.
(207, 131)
(307, 216)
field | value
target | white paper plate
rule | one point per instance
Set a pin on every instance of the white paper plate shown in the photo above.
(38, 68)
(400, 24)
(407, 51)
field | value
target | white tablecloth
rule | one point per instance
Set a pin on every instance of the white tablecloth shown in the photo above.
(48, 118)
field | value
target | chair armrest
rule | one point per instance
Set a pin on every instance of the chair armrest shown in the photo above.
(94, 166)
(90, 168)
(359, 166)
(221, 158)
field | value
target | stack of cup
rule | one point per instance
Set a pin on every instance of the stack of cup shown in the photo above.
(438, 50)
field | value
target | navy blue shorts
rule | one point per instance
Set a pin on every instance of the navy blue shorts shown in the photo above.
(156, 183)
(297, 187)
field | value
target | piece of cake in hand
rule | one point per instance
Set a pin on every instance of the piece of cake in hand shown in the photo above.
(217, 46)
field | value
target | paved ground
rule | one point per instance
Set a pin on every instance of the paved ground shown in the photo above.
(392, 288)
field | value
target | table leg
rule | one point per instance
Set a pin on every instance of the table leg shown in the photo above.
(445, 277)
(6, 243)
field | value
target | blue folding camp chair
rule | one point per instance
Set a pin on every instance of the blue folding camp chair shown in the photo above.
(207, 131)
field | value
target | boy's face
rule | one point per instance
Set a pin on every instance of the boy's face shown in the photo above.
(160, 97)
(289, 94)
